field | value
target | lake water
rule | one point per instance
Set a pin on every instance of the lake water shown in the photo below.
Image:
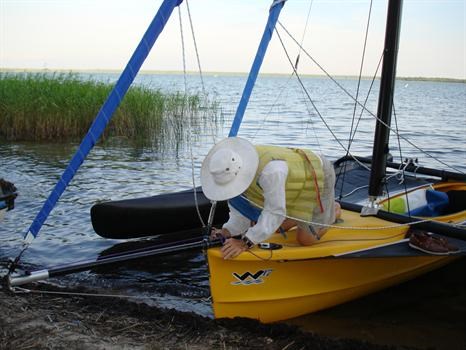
(432, 115)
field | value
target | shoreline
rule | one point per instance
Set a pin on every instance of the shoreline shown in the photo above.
(213, 73)
(424, 313)
(53, 321)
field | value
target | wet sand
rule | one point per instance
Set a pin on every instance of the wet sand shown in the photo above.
(426, 313)
(39, 321)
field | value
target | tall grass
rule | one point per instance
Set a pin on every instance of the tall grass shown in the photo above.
(61, 107)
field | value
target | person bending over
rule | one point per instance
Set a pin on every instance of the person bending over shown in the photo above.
(275, 188)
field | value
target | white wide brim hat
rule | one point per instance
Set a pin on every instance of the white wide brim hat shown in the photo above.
(229, 168)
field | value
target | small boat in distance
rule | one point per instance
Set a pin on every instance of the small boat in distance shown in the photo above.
(8, 195)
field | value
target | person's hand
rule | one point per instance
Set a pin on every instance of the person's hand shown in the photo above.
(232, 248)
(219, 232)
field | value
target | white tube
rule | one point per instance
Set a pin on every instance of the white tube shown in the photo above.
(32, 277)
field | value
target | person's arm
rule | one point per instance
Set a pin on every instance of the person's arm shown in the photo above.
(237, 224)
(272, 181)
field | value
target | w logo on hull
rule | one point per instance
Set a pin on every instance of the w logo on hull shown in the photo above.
(249, 278)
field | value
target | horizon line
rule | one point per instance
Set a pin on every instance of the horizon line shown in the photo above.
(213, 73)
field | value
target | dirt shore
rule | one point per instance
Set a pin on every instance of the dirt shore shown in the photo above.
(39, 321)
(426, 313)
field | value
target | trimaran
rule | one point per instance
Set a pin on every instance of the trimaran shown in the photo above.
(366, 252)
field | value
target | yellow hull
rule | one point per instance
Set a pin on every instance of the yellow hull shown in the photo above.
(296, 288)
(295, 280)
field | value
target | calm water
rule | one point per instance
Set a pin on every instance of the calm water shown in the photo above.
(431, 115)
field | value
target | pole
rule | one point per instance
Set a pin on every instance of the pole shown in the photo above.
(194, 243)
(384, 109)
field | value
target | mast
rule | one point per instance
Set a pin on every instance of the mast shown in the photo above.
(386, 93)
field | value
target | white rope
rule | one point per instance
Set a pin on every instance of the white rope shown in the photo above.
(362, 228)
(190, 147)
(195, 48)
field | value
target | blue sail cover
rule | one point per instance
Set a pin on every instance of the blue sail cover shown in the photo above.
(106, 112)
(274, 13)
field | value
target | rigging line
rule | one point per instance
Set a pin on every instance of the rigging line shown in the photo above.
(311, 120)
(353, 191)
(401, 160)
(296, 66)
(289, 78)
(190, 146)
(304, 32)
(362, 228)
(312, 102)
(359, 119)
(360, 74)
(201, 75)
(367, 97)
(365, 186)
(274, 104)
(353, 134)
(195, 49)
(183, 51)
(367, 110)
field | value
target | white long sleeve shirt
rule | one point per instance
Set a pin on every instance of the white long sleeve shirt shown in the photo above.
(272, 180)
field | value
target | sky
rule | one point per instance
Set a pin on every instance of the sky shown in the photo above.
(102, 35)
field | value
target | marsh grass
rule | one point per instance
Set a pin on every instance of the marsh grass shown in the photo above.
(61, 107)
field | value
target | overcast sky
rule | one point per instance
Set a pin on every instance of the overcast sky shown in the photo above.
(102, 34)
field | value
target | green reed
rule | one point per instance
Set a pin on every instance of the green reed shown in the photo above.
(61, 107)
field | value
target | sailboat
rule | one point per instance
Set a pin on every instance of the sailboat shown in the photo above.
(367, 251)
